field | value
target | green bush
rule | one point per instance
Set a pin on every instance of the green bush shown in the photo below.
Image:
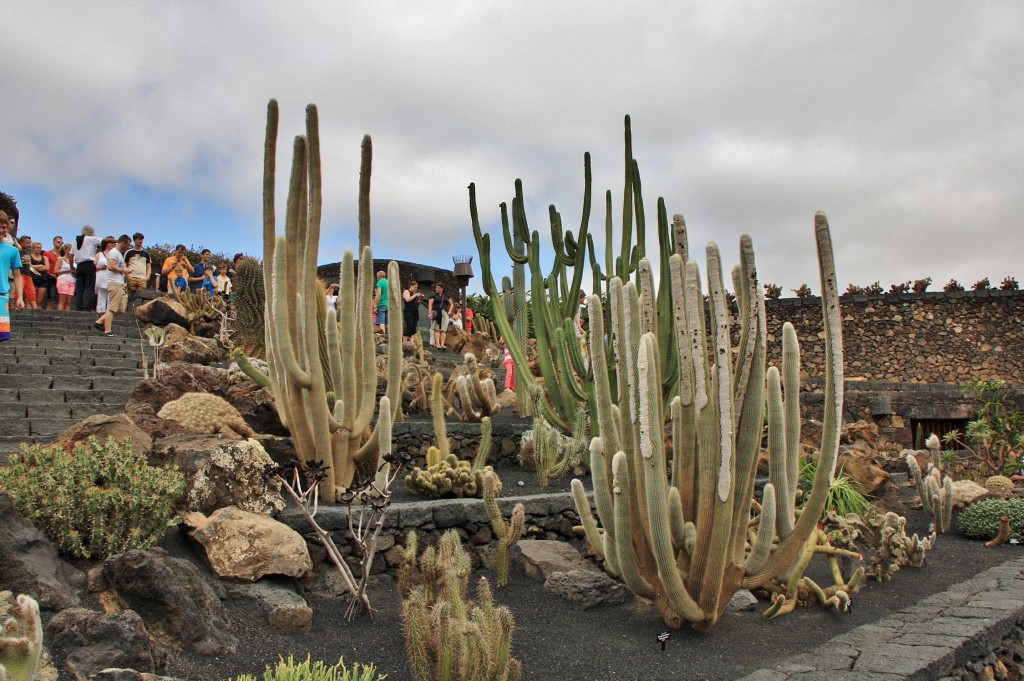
(981, 520)
(98, 500)
(316, 671)
(844, 496)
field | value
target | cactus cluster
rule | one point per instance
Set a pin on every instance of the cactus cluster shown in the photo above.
(449, 477)
(21, 640)
(551, 452)
(896, 549)
(205, 413)
(447, 635)
(934, 488)
(478, 397)
(323, 373)
(100, 499)
(206, 313)
(507, 532)
(681, 533)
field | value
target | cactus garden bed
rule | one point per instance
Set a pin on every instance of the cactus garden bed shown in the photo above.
(554, 640)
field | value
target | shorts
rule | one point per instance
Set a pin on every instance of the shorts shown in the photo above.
(117, 299)
(5, 318)
(382, 315)
(28, 288)
(66, 288)
(441, 324)
(135, 284)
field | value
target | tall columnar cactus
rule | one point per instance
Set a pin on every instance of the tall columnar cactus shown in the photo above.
(21, 641)
(679, 535)
(554, 295)
(338, 436)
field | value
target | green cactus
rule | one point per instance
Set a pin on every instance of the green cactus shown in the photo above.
(449, 477)
(21, 641)
(483, 450)
(258, 377)
(205, 413)
(980, 520)
(554, 296)
(716, 422)
(299, 378)
(448, 636)
(250, 303)
(507, 533)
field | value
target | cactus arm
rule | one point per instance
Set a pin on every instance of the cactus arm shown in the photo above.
(627, 558)
(365, 172)
(514, 252)
(484, 449)
(246, 367)
(394, 380)
(790, 547)
(627, 206)
(791, 393)
(765, 531)
(778, 473)
(657, 504)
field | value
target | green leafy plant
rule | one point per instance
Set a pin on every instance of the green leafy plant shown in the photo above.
(995, 436)
(844, 496)
(288, 670)
(100, 499)
(981, 520)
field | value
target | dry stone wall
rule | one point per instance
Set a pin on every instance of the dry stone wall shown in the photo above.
(912, 337)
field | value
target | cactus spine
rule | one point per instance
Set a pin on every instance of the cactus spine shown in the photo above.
(715, 423)
(21, 641)
(298, 376)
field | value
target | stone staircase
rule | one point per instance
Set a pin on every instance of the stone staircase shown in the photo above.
(57, 370)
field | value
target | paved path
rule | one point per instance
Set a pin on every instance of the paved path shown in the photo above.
(57, 369)
(926, 641)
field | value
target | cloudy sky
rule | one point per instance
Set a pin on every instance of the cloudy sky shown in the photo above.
(903, 121)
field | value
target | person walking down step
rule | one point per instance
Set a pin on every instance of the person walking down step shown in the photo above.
(117, 296)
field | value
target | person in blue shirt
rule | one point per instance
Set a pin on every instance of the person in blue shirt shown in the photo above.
(203, 272)
(10, 266)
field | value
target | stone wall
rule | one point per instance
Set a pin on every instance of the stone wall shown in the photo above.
(913, 337)
(415, 437)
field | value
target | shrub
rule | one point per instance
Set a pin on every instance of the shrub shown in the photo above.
(1009, 284)
(772, 291)
(953, 286)
(874, 289)
(316, 671)
(995, 436)
(921, 285)
(803, 292)
(981, 520)
(98, 500)
(902, 287)
(981, 285)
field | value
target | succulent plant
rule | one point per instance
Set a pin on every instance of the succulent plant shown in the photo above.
(450, 477)
(980, 520)
(205, 413)
(508, 533)
(21, 641)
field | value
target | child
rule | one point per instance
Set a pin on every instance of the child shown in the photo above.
(180, 281)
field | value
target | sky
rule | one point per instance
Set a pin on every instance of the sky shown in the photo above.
(902, 121)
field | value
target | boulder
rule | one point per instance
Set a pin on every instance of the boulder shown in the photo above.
(247, 546)
(88, 642)
(162, 311)
(585, 588)
(151, 395)
(220, 473)
(285, 610)
(29, 563)
(172, 598)
(540, 558)
(966, 492)
(102, 427)
(256, 405)
(181, 346)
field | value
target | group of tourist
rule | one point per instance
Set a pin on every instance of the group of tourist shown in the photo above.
(91, 273)
(442, 310)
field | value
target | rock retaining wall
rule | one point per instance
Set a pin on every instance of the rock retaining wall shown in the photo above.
(913, 337)
(548, 516)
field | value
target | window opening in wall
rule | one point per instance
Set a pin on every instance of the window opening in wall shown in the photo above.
(939, 427)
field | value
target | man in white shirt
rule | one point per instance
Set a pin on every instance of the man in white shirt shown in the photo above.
(117, 297)
(84, 252)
